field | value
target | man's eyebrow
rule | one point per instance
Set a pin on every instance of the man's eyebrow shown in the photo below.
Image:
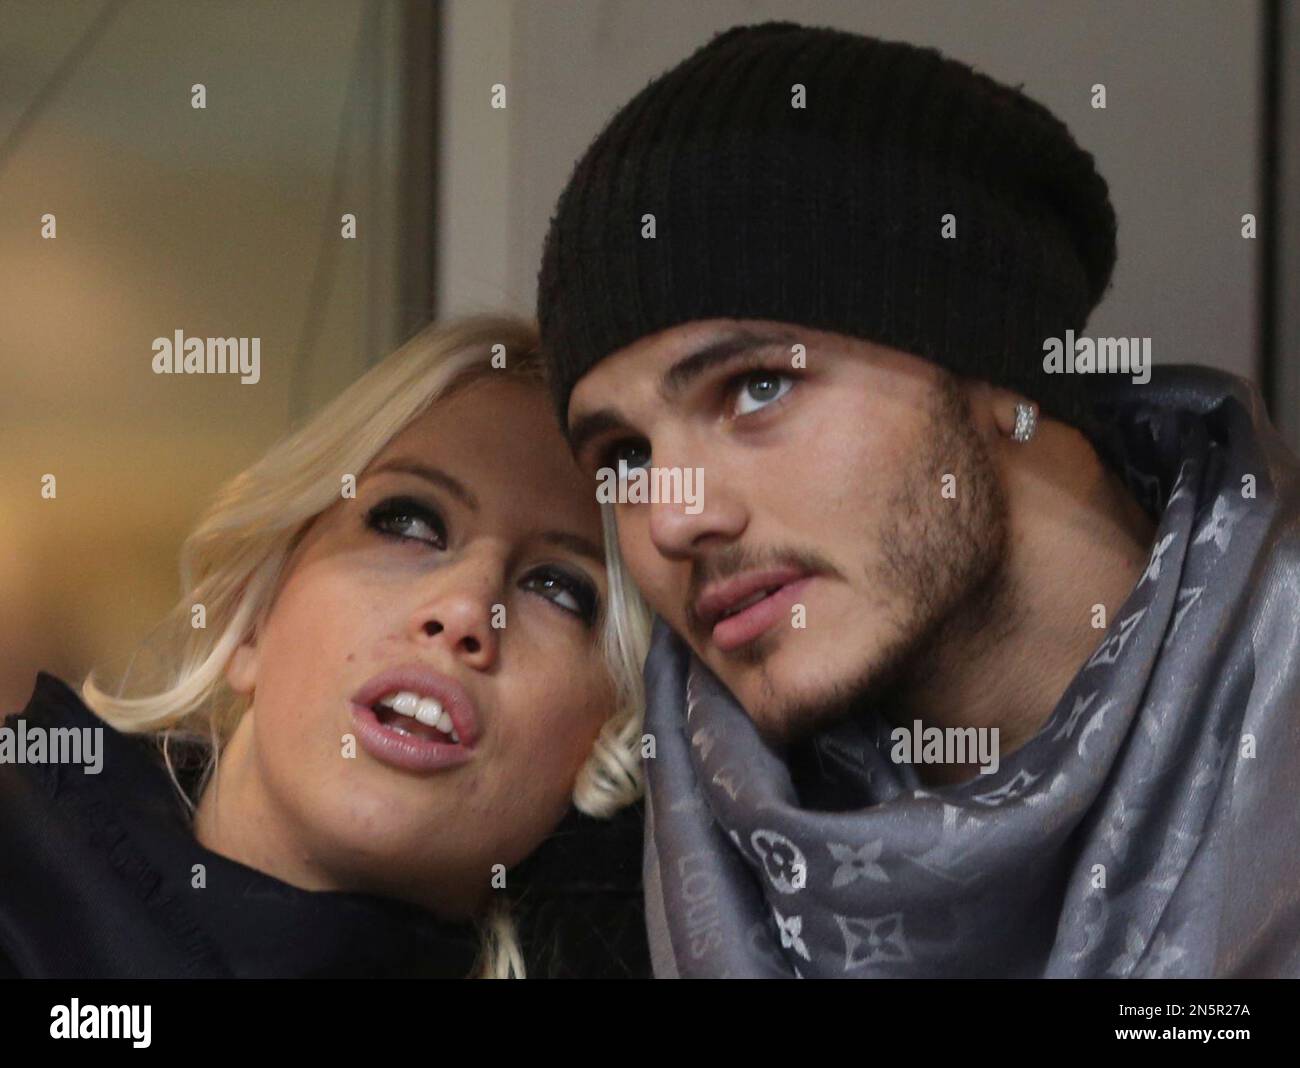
(435, 475)
(719, 350)
(575, 543)
(592, 425)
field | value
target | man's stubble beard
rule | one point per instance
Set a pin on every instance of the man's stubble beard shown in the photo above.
(942, 564)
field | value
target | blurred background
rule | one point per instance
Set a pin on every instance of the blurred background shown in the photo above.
(225, 221)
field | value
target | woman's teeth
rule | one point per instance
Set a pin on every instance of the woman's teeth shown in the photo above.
(424, 710)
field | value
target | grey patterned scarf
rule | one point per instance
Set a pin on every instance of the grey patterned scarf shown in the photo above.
(1149, 829)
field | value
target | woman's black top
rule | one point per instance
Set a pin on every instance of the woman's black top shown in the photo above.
(99, 878)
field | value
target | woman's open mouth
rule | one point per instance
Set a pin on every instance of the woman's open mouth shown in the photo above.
(413, 719)
(420, 717)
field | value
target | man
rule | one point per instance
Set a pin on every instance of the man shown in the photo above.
(970, 662)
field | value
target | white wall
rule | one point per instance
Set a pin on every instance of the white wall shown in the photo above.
(475, 250)
(1177, 142)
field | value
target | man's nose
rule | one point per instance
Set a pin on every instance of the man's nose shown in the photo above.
(682, 529)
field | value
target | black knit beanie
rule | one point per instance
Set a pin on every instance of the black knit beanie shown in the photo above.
(831, 215)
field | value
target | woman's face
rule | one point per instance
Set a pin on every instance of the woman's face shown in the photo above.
(466, 576)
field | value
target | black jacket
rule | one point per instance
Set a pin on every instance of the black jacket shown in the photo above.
(97, 873)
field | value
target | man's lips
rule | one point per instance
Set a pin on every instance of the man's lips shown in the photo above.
(718, 599)
(731, 632)
(742, 607)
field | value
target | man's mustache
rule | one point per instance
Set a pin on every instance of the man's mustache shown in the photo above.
(735, 559)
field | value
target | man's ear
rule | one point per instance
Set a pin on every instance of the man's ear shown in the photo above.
(241, 669)
(999, 407)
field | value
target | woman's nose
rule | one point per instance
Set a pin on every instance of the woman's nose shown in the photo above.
(460, 618)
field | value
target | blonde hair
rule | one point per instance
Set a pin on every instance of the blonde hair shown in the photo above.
(233, 561)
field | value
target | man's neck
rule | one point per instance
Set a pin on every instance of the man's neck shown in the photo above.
(1078, 544)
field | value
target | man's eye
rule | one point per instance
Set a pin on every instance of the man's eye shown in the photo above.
(408, 520)
(566, 591)
(759, 389)
(632, 453)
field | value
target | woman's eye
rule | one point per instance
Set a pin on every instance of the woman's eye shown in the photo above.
(566, 591)
(409, 520)
(759, 389)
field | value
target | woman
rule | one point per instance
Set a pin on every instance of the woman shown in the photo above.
(389, 676)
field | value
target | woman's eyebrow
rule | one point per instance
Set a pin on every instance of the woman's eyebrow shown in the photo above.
(432, 474)
(575, 543)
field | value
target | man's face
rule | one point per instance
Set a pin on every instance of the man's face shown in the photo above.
(831, 559)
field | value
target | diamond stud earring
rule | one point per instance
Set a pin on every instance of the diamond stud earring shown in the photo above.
(1026, 422)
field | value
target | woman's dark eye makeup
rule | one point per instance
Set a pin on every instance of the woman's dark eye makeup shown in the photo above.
(566, 591)
(408, 520)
